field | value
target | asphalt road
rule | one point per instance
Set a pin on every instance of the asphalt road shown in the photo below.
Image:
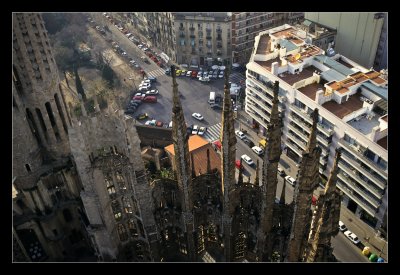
(194, 98)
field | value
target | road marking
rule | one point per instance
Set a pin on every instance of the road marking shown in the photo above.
(156, 73)
(213, 132)
(236, 78)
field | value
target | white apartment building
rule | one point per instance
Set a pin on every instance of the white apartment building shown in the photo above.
(352, 103)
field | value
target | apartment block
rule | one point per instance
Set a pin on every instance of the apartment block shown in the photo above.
(352, 103)
(247, 25)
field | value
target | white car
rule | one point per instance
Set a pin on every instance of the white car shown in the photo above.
(195, 129)
(145, 85)
(221, 74)
(257, 150)
(197, 116)
(290, 180)
(151, 122)
(202, 130)
(152, 92)
(352, 237)
(342, 226)
(240, 134)
(189, 73)
(247, 159)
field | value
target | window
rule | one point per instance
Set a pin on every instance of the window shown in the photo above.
(127, 205)
(67, 215)
(28, 168)
(120, 181)
(123, 236)
(132, 228)
(109, 184)
(116, 208)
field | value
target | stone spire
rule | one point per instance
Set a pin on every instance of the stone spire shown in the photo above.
(257, 179)
(208, 162)
(192, 165)
(326, 220)
(283, 196)
(228, 140)
(269, 177)
(307, 178)
(182, 162)
(240, 177)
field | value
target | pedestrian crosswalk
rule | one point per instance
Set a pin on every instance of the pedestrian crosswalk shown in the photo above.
(213, 132)
(156, 73)
(237, 78)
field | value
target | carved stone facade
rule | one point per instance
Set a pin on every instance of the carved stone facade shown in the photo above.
(48, 216)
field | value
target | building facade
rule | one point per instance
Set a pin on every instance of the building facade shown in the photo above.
(352, 103)
(361, 36)
(247, 25)
(48, 216)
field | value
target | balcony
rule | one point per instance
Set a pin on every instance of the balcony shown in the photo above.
(302, 113)
(298, 132)
(353, 174)
(191, 29)
(209, 46)
(200, 33)
(265, 109)
(355, 188)
(208, 37)
(219, 31)
(300, 122)
(209, 53)
(363, 171)
(254, 114)
(181, 28)
(260, 94)
(219, 46)
(294, 148)
(325, 130)
(300, 143)
(373, 166)
(267, 87)
(323, 141)
(182, 35)
(219, 53)
(192, 36)
(349, 193)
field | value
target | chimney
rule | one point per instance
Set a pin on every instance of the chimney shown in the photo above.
(282, 52)
(374, 133)
(319, 97)
(274, 68)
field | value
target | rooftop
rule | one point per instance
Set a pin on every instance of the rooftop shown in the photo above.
(383, 142)
(363, 124)
(263, 44)
(198, 148)
(341, 110)
(311, 90)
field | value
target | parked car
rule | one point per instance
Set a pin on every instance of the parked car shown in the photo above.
(257, 150)
(159, 124)
(152, 79)
(178, 72)
(202, 130)
(150, 99)
(151, 122)
(142, 116)
(152, 92)
(247, 159)
(221, 74)
(194, 74)
(290, 180)
(248, 142)
(168, 71)
(197, 116)
(240, 134)
(204, 79)
(195, 129)
(342, 226)
(352, 237)
(189, 73)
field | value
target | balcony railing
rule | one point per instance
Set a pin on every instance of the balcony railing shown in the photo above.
(352, 174)
(208, 37)
(323, 141)
(363, 171)
(360, 192)
(181, 28)
(181, 35)
(298, 132)
(300, 143)
(191, 28)
(192, 36)
(294, 148)
(302, 113)
(219, 31)
(209, 46)
(353, 151)
(349, 193)
(219, 46)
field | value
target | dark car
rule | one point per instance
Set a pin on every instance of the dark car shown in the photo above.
(152, 79)
(248, 142)
(168, 71)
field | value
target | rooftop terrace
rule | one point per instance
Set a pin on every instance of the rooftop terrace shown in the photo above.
(341, 110)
